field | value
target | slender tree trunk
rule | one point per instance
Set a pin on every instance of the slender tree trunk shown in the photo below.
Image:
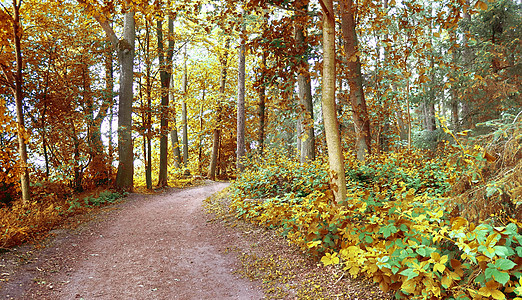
(165, 75)
(262, 107)
(217, 127)
(200, 150)
(454, 104)
(109, 98)
(184, 121)
(174, 140)
(306, 134)
(165, 82)
(147, 110)
(19, 99)
(77, 184)
(360, 111)
(331, 124)
(468, 58)
(241, 100)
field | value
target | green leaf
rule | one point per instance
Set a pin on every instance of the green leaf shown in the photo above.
(421, 251)
(499, 276)
(503, 251)
(504, 264)
(410, 273)
(368, 239)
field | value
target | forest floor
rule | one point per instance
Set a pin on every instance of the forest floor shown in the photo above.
(166, 246)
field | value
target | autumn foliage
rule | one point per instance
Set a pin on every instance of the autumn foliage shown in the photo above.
(400, 225)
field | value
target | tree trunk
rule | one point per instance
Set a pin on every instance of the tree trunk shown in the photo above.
(466, 121)
(306, 134)
(217, 127)
(200, 150)
(331, 124)
(174, 140)
(184, 113)
(109, 97)
(124, 177)
(165, 74)
(262, 107)
(146, 108)
(360, 112)
(19, 98)
(241, 100)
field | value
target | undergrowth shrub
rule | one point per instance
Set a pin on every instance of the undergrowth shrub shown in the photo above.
(395, 227)
(51, 205)
(276, 175)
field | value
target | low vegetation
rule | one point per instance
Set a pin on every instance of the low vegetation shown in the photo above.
(404, 223)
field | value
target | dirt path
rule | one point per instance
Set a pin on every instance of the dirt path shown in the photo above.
(150, 247)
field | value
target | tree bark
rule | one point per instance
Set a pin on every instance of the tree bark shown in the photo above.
(146, 109)
(184, 113)
(466, 120)
(305, 132)
(125, 50)
(200, 150)
(124, 177)
(217, 127)
(331, 124)
(174, 140)
(241, 100)
(262, 107)
(165, 75)
(19, 99)
(358, 102)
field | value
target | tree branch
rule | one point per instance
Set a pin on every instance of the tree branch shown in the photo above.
(328, 13)
(106, 26)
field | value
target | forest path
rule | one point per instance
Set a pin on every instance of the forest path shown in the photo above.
(148, 247)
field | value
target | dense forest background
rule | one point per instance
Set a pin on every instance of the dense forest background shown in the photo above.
(375, 112)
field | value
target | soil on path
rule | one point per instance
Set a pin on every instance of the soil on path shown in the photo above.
(149, 247)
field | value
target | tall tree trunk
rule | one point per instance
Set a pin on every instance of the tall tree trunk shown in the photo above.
(174, 140)
(217, 127)
(468, 58)
(165, 75)
(331, 124)
(125, 50)
(184, 122)
(124, 177)
(77, 184)
(200, 150)
(241, 99)
(147, 110)
(262, 106)
(19, 99)
(98, 163)
(454, 104)
(306, 133)
(360, 111)
(109, 98)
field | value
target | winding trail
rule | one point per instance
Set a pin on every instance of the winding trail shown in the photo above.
(150, 247)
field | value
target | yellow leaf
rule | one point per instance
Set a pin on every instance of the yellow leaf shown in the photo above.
(439, 267)
(313, 244)
(330, 259)
(409, 286)
(446, 281)
(496, 294)
(458, 222)
(481, 5)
